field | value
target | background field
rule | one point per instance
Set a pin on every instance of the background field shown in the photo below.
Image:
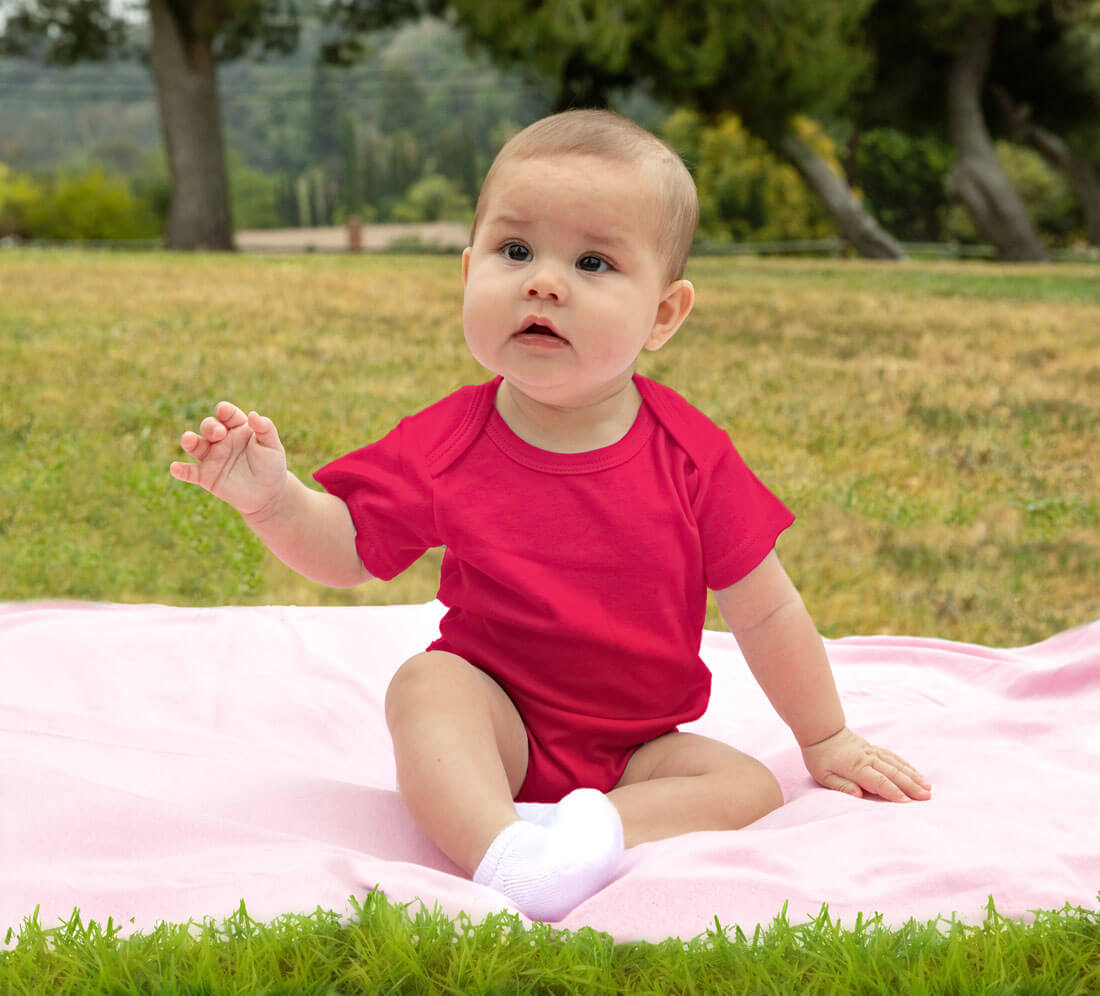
(934, 426)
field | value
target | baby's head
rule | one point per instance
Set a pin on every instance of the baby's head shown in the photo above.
(608, 137)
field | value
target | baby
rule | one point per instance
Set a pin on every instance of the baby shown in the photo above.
(585, 511)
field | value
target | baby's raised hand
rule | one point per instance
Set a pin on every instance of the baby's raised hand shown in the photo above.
(848, 763)
(240, 458)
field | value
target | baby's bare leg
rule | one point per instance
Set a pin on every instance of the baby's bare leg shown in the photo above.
(461, 752)
(683, 782)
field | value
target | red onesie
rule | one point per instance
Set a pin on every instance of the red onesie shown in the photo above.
(578, 581)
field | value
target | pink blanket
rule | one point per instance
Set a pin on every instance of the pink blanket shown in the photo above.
(164, 763)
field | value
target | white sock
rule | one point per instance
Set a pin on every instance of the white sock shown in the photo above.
(548, 869)
(540, 813)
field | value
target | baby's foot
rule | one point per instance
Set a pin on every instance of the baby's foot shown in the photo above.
(549, 867)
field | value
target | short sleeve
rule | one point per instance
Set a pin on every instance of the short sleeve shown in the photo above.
(739, 518)
(388, 490)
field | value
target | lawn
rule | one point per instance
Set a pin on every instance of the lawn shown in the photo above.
(934, 426)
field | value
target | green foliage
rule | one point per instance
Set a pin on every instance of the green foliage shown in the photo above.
(1045, 192)
(92, 205)
(354, 140)
(83, 205)
(62, 31)
(19, 196)
(764, 62)
(313, 145)
(902, 178)
(745, 192)
(69, 31)
(416, 104)
(943, 22)
(434, 198)
(254, 196)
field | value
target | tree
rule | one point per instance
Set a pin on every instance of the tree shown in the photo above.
(1045, 79)
(964, 51)
(1024, 129)
(187, 39)
(977, 178)
(766, 63)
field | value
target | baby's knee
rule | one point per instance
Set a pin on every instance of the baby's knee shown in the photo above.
(408, 685)
(422, 680)
(770, 791)
(754, 794)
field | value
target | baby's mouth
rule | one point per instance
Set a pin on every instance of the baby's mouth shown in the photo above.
(538, 329)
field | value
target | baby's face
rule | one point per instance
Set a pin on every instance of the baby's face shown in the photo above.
(563, 281)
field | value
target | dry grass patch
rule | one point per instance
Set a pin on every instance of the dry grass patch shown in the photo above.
(934, 426)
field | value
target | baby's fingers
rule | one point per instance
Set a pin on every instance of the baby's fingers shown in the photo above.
(230, 415)
(194, 445)
(212, 429)
(892, 781)
(913, 783)
(905, 776)
(264, 429)
(831, 780)
(226, 417)
(186, 472)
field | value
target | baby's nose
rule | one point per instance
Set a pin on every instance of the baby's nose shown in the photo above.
(546, 283)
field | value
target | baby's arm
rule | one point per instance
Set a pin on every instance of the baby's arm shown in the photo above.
(787, 657)
(241, 460)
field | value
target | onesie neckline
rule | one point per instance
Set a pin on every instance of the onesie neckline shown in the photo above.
(589, 461)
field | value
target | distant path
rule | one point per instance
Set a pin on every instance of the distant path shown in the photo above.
(444, 234)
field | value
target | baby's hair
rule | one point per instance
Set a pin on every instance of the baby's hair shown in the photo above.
(609, 136)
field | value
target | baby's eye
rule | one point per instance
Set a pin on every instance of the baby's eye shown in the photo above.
(517, 252)
(593, 264)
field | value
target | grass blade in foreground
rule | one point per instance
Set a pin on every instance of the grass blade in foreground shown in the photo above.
(381, 948)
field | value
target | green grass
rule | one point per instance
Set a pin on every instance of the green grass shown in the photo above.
(382, 948)
(934, 426)
(988, 281)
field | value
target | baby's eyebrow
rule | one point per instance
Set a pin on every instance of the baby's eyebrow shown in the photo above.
(612, 239)
(508, 220)
(599, 239)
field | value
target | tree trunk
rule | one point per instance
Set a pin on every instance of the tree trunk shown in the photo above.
(185, 75)
(1056, 151)
(854, 221)
(977, 178)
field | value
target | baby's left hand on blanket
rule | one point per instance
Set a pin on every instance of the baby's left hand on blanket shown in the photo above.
(848, 763)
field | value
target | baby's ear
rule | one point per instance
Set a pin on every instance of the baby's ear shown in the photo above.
(465, 265)
(674, 307)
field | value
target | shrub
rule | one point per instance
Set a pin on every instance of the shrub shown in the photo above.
(903, 180)
(19, 197)
(254, 196)
(434, 198)
(1045, 191)
(78, 206)
(745, 192)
